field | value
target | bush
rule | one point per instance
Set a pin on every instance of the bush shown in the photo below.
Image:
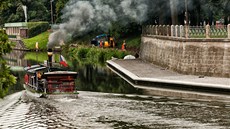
(95, 55)
(6, 79)
(82, 52)
(102, 57)
(36, 28)
(92, 55)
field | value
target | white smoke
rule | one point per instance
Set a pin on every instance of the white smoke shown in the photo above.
(83, 16)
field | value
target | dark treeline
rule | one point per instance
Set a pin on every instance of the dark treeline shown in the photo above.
(173, 11)
(159, 12)
(37, 10)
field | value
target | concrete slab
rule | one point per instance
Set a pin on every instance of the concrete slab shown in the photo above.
(140, 73)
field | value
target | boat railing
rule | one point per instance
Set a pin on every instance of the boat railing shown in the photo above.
(32, 86)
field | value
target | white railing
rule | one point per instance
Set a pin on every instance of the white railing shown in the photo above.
(188, 32)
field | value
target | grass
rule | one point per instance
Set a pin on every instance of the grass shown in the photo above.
(42, 40)
(133, 41)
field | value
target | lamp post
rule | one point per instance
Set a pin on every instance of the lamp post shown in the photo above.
(186, 19)
(25, 12)
(51, 7)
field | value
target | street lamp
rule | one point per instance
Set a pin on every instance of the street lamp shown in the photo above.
(51, 6)
(186, 18)
(186, 12)
(25, 12)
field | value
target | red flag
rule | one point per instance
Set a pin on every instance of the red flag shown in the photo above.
(63, 61)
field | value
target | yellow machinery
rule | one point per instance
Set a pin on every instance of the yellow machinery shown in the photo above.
(106, 40)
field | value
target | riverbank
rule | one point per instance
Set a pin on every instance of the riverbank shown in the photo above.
(165, 82)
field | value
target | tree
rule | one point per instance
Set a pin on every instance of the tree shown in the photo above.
(6, 79)
(60, 4)
(11, 10)
(226, 8)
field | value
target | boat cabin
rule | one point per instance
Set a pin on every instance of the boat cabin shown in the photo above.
(44, 80)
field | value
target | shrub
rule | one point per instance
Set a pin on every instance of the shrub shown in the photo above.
(95, 55)
(36, 28)
(82, 52)
(6, 79)
(92, 55)
(102, 56)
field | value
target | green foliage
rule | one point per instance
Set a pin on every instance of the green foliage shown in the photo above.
(60, 4)
(95, 55)
(35, 28)
(158, 13)
(6, 79)
(11, 10)
(42, 40)
(82, 52)
(133, 41)
(92, 55)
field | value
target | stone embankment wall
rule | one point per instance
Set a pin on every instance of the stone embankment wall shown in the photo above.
(208, 57)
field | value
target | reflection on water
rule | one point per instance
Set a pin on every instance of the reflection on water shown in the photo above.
(16, 58)
(90, 78)
(101, 79)
(110, 110)
(18, 86)
(116, 111)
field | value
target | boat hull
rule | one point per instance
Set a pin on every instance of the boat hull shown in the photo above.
(32, 92)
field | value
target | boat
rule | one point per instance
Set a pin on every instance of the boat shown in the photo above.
(45, 80)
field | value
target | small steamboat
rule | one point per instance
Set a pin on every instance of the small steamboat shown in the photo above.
(45, 80)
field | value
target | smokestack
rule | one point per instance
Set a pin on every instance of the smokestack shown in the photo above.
(50, 54)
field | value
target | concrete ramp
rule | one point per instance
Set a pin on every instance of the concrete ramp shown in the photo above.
(148, 76)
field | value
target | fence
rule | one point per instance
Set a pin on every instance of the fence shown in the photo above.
(188, 31)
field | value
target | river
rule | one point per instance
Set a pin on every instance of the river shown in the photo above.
(106, 102)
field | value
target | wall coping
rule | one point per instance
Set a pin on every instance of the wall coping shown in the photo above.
(180, 39)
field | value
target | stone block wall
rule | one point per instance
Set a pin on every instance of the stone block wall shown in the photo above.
(208, 57)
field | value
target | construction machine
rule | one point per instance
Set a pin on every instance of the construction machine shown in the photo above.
(103, 40)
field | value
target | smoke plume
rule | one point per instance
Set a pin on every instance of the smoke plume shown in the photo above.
(83, 16)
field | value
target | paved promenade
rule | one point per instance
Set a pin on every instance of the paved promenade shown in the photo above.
(141, 73)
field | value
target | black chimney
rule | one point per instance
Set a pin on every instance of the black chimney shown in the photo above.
(50, 54)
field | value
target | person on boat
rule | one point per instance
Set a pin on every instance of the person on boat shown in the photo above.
(39, 75)
(40, 82)
(26, 79)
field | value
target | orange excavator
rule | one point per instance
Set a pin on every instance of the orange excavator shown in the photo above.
(104, 40)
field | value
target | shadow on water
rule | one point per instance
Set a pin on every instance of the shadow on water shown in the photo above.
(99, 78)
(91, 77)
(18, 86)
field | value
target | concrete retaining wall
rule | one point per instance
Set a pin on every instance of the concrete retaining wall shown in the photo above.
(209, 57)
